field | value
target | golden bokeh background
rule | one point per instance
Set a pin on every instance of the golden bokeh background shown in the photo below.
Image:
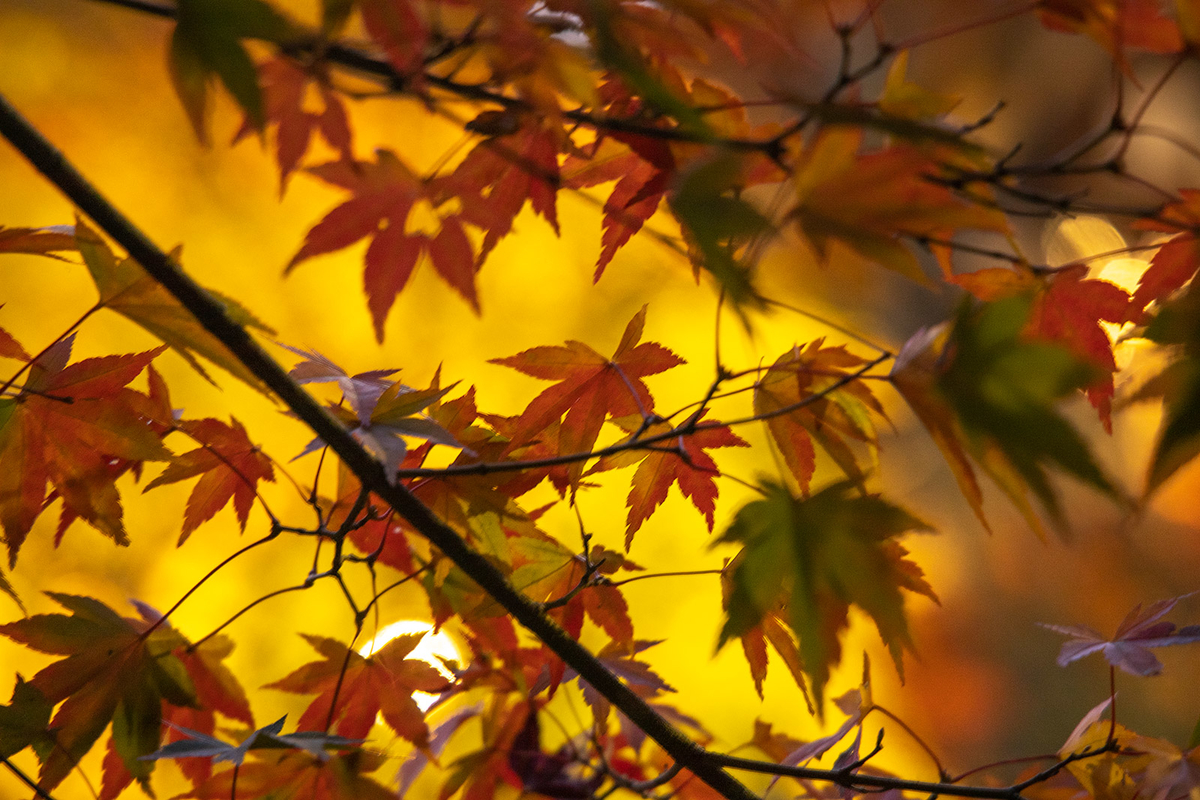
(984, 686)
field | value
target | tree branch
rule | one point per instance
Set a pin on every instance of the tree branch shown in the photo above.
(212, 316)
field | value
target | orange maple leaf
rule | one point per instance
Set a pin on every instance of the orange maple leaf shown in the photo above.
(870, 202)
(363, 687)
(230, 466)
(682, 461)
(384, 193)
(65, 427)
(799, 405)
(285, 87)
(495, 179)
(1115, 25)
(590, 388)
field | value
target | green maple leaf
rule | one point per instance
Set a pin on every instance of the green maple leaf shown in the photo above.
(25, 721)
(814, 558)
(1003, 389)
(112, 672)
(126, 288)
(207, 43)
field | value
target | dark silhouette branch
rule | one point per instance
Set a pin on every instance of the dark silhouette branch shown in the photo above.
(212, 316)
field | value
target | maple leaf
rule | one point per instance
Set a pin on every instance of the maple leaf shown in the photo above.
(230, 466)
(393, 415)
(64, 428)
(688, 465)
(362, 390)
(817, 557)
(1003, 389)
(642, 167)
(300, 774)
(869, 202)
(10, 347)
(380, 684)
(126, 288)
(1129, 648)
(206, 43)
(38, 241)
(285, 87)
(113, 671)
(983, 390)
(400, 29)
(215, 690)
(1070, 312)
(772, 629)
(25, 720)
(384, 193)
(197, 744)
(802, 380)
(590, 388)
(1170, 269)
(499, 175)
(1115, 25)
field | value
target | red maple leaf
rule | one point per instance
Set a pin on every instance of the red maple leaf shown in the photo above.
(1069, 311)
(590, 388)
(383, 195)
(381, 684)
(1172, 267)
(500, 173)
(67, 427)
(400, 29)
(643, 173)
(230, 466)
(286, 100)
(683, 461)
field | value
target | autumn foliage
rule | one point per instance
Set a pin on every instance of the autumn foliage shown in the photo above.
(676, 123)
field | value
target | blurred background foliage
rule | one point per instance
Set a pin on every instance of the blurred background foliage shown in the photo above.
(984, 686)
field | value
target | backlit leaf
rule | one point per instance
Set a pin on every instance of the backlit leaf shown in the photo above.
(797, 398)
(590, 388)
(382, 684)
(206, 44)
(111, 672)
(126, 288)
(67, 427)
(229, 464)
(815, 558)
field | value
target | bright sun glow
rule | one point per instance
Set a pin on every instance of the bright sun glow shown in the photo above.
(430, 649)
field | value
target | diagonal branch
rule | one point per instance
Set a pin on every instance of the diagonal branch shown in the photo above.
(211, 315)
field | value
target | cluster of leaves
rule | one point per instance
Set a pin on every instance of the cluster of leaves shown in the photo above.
(888, 178)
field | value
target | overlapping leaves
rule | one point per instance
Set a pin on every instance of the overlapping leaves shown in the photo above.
(74, 427)
(987, 390)
(112, 672)
(590, 389)
(809, 395)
